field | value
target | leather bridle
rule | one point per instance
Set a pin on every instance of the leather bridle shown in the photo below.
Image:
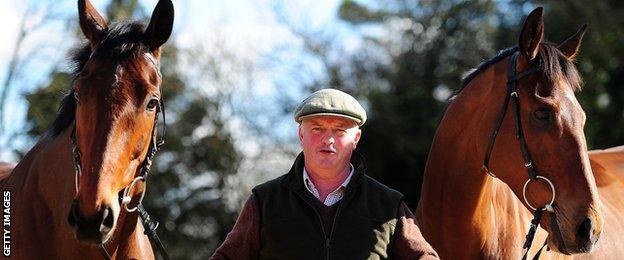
(156, 142)
(512, 95)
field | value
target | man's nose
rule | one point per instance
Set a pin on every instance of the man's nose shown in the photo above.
(328, 138)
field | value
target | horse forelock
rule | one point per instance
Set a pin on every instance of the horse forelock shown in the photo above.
(555, 66)
(123, 41)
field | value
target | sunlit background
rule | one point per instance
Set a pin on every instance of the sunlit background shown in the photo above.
(234, 71)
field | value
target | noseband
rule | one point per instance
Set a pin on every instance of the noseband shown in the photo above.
(155, 144)
(512, 95)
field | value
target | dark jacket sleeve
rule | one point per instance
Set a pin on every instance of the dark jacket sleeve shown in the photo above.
(408, 241)
(243, 242)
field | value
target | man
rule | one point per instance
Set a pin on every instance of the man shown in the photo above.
(325, 207)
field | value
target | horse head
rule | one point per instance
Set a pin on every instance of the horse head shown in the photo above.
(541, 132)
(117, 99)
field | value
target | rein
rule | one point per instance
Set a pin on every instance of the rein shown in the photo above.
(154, 146)
(512, 95)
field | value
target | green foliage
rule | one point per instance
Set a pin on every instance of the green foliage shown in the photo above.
(430, 45)
(427, 48)
(356, 13)
(123, 10)
(187, 184)
(44, 100)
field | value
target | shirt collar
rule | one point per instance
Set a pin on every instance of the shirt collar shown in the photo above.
(310, 185)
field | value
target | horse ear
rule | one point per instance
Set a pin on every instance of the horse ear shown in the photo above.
(92, 24)
(571, 46)
(532, 33)
(160, 26)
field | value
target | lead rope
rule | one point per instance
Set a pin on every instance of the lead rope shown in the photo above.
(531, 234)
(150, 231)
(537, 216)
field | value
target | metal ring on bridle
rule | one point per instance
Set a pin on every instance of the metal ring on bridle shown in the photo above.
(552, 187)
(125, 200)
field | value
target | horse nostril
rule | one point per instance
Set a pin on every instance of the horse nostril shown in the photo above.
(93, 229)
(584, 231)
(107, 220)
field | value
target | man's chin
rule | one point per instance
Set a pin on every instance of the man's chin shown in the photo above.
(328, 163)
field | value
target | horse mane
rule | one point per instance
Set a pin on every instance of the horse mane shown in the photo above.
(123, 40)
(553, 64)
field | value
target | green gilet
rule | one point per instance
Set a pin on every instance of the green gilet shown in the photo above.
(291, 227)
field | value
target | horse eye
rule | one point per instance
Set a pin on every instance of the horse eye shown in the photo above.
(76, 97)
(543, 114)
(152, 104)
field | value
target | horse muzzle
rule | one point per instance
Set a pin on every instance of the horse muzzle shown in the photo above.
(582, 240)
(96, 229)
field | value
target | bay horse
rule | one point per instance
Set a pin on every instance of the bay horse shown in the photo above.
(517, 114)
(71, 192)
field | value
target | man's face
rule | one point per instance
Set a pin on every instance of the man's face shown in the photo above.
(328, 142)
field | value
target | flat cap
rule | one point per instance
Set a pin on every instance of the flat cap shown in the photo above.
(331, 102)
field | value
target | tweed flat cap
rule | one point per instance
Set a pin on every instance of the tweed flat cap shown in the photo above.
(331, 102)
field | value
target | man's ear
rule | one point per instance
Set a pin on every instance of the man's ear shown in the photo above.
(300, 133)
(357, 137)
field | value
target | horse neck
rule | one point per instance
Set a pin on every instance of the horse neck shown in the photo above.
(460, 203)
(46, 175)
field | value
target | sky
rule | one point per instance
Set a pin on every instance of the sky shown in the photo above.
(248, 28)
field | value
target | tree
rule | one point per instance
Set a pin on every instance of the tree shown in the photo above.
(34, 20)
